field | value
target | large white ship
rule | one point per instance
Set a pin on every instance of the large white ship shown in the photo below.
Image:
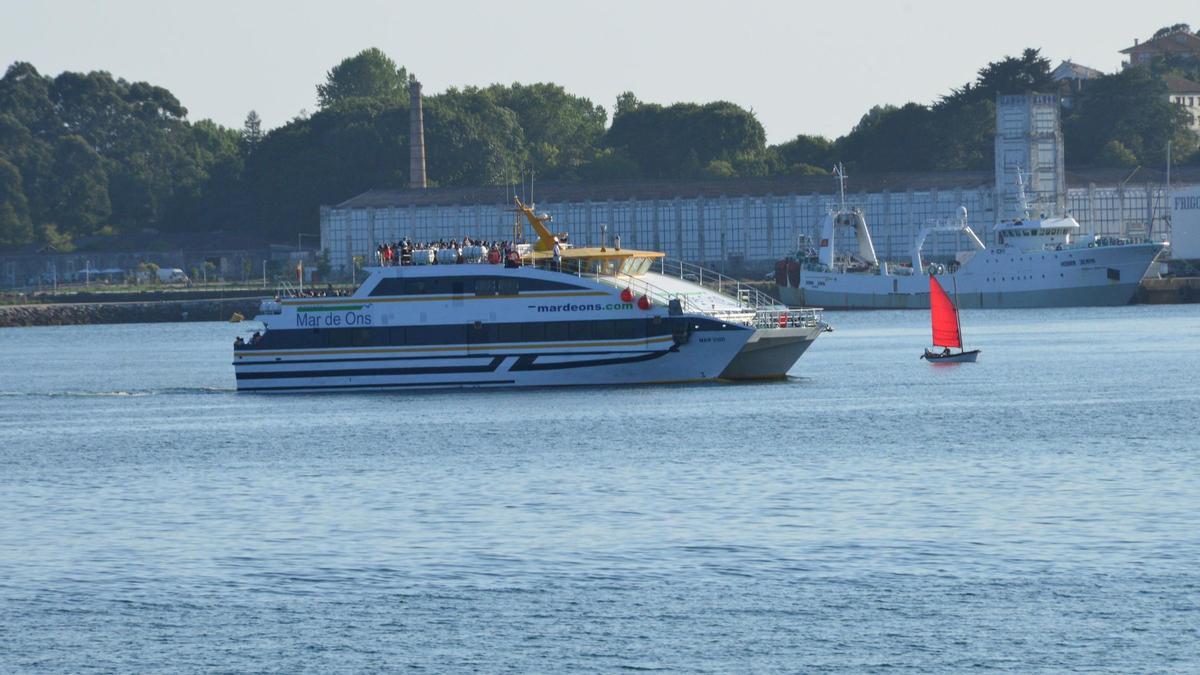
(583, 316)
(1036, 262)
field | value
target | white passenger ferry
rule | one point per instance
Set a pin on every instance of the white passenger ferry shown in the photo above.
(588, 316)
(1036, 262)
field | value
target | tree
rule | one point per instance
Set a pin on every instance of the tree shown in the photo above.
(340, 151)
(81, 187)
(680, 140)
(888, 138)
(626, 103)
(471, 140)
(561, 131)
(15, 226)
(1132, 109)
(1167, 30)
(324, 266)
(368, 74)
(1116, 154)
(803, 152)
(252, 133)
(1010, 75)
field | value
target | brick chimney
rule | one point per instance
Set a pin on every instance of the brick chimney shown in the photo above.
(416, 137)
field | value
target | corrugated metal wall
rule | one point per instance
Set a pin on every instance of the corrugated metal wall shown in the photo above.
(754, 229)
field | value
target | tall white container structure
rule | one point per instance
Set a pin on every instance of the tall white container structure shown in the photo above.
(1029, 147)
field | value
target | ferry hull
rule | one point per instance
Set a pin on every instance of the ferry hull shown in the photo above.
(770, 354)
(663, 362)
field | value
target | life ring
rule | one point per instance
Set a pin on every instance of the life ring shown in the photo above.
(783, 320)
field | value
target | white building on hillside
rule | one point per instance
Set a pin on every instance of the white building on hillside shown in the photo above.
(1186, 94)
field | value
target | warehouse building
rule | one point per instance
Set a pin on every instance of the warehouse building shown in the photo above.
(733, 224)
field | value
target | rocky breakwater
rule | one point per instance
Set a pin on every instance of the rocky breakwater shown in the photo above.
(62, 314)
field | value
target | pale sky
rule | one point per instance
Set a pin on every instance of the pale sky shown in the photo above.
(801, 67)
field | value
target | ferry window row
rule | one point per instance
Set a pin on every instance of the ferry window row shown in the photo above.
(458, 334)
(466, 285)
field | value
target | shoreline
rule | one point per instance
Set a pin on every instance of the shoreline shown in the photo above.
(175, 306)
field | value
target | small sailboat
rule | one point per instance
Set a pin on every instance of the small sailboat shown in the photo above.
(947, 330)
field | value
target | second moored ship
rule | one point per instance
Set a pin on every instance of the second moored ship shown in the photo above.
(554, 315)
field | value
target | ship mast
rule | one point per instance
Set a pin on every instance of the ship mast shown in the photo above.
(840, 172)
(1022, 198)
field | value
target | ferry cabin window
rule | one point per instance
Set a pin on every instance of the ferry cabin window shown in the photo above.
(339, 338)
(533, 331)
(579, 330)
(457, 334)
(431, 335)
(485, 287)
(508, 332)
(507, 286)
(602, 330)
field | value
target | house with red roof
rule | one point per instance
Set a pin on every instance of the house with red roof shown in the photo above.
(1175, 43)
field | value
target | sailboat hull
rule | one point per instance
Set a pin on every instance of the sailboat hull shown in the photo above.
(960, 357)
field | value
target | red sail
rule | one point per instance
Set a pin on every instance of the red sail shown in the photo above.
(945, 316)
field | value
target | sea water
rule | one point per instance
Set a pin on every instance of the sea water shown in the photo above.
(1036, 511)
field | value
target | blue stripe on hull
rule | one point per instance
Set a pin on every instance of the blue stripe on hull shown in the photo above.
(392, 385)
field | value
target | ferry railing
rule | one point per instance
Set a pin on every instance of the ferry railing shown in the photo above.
(273, 305)
(755, 308)
(746, 295)
(794, 317)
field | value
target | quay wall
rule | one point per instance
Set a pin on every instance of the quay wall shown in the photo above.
(1169, 291)
(63, 314)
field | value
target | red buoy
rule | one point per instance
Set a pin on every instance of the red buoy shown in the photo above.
(643, 302)
(626, 295)
(783, 320)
